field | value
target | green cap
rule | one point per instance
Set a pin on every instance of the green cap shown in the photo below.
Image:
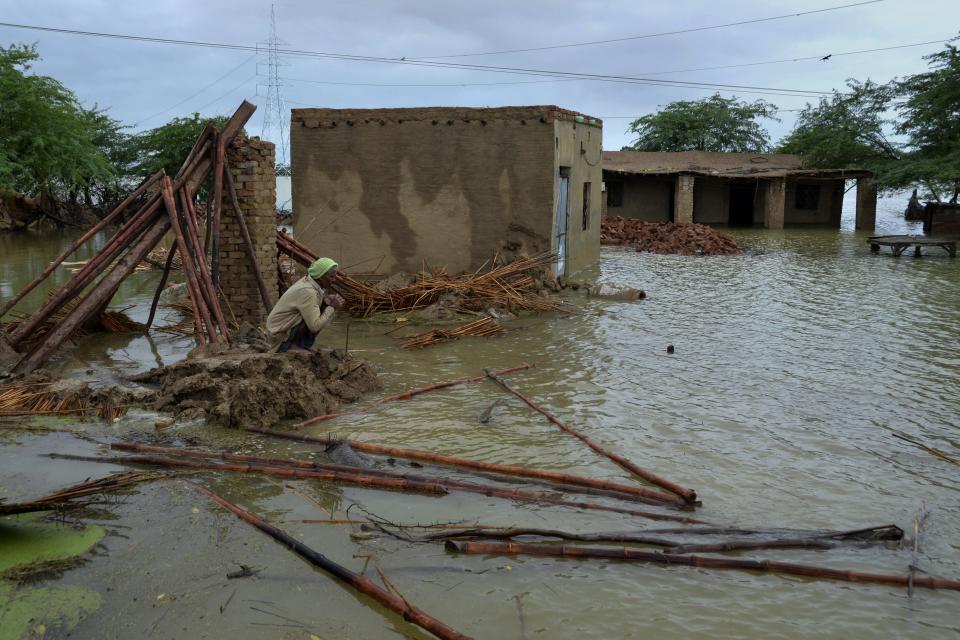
(320, 267)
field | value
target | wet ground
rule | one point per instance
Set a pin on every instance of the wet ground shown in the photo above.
(794, 366)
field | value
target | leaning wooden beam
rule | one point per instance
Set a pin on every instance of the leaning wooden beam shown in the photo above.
(95, 229)
(247, 241)
(464, 463)
(687, 494)
(408, 394)
(207, 287)
(362, 584)
(94, 267)
(219, 156)
(163, 282)
(471, 487)
(95, 299)
(189, 270)
(705, 562)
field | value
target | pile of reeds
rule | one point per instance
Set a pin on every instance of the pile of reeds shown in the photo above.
(109, 321)
(157, 259)
(37, 399)
(513, 286)
(477, 328)
(67, 498)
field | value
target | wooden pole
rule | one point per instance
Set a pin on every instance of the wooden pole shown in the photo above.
(247, 241)
(687, 494)
(193, 284)
(471, 487)
(95, 299)
(408, 394)
(705, 562)
(218, 154)
(94, 230)
(362, 584)
(163, 282)
(464, 463)
(203, 272)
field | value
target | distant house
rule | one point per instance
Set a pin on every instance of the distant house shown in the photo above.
(734, 189)
(385, 190)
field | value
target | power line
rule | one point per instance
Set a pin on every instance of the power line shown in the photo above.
(191, 97)
(648, 35)
(648, 73)
(442, 65)
(239, 86)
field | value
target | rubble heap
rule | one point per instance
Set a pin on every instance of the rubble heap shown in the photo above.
(668, 237)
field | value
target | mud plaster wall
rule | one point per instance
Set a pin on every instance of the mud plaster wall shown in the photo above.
(385, 190)
(254, 174)
(820, 216)
(579, 146)
(647, 198)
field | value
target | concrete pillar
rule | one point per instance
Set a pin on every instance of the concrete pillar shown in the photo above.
(683, 200)
(866, 204)
(774, 203)
(836, 202)
(254, 174)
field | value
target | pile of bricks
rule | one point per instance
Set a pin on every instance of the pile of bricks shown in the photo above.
(252, 162)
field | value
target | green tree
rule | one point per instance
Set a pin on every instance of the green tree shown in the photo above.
(166, 146)
(710, 124)
(848, 129)
(929, 112)
(46, 141)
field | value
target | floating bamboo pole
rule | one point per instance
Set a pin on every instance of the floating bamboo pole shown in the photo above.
(407, 395)
(705, 562)
(687, 494)
(437, 458)
(362, 584)
(471, 487)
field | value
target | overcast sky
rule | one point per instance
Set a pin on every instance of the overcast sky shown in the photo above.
(143, 83)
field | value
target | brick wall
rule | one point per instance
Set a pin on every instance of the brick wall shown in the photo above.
(252, 164)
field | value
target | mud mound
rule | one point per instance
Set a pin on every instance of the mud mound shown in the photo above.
(243, 388)
(668, 237)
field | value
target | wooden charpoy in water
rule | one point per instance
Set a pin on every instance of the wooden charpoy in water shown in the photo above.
(899, 244)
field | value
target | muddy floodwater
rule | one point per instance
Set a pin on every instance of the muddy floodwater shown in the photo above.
(794, 367)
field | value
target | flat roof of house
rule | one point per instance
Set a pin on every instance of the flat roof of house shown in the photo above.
(724, 165)
(548, 113)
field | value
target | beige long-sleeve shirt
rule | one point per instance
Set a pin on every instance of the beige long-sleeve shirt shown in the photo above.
(300, 302)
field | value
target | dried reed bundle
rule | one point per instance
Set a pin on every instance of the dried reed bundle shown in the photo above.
(36, 398)
(482, 327)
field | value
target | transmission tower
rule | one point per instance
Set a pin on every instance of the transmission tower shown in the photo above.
(276, 121)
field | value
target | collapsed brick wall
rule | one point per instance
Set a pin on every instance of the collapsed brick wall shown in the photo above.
(254, 174)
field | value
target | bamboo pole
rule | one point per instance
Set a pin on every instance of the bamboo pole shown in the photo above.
(203, 271)
(95, 229)
(95, 299)
(163, 281)
(358, 479)
(687, 494)
(366, 479)
(218, 153)
(189, 270)
(247, 241)
(362, 584)
(450, 483)
(464, 463)
(705, 562)
(408, 394)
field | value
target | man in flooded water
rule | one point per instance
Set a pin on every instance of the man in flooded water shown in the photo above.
(305, 309)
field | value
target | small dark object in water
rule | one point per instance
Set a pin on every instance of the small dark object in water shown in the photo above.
(343, 453)
(669, 348)
(243, 572)
(487, 414)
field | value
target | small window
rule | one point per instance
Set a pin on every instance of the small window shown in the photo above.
(614, 194)
(807, 197)
(586, 206)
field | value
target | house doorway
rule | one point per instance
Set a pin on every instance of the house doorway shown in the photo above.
(741, 205)
(560, 220)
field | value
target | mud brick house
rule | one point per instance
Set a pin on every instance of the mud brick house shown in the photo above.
(734, 189)
(386, 190)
